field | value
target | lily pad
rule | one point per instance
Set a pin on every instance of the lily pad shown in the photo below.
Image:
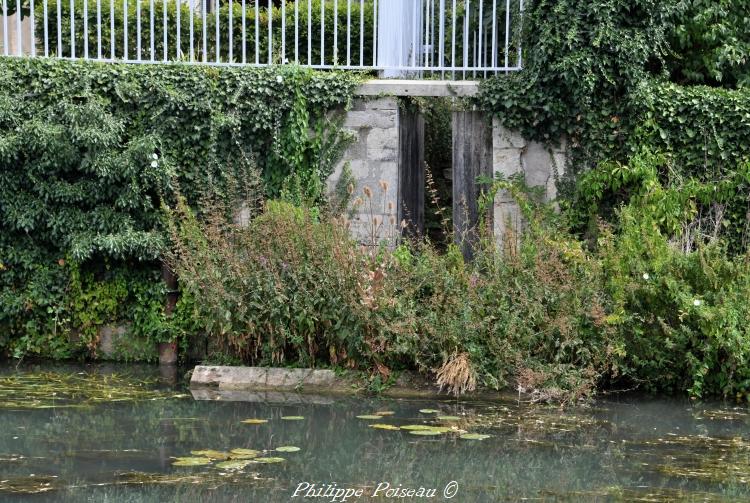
(255, 421)
(268, 460)
(429, 411)
(385, 413)
(287, 448)
(209, 453)
(292, 418)
(426, 433)
(188, 461)
(243, 454)
(440, 429)
(235, 464)
(369, 417)
(475, 436)
(416, 427)
(449, 418)
(379, 426)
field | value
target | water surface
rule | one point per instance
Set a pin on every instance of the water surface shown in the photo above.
(113, 433)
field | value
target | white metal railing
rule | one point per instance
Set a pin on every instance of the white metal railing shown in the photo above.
(464, 38)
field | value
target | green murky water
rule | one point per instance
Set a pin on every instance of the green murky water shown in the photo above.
(124, 433)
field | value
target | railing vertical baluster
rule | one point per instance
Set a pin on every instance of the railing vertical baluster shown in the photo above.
(99, 29)
(138, 29)
(361, 32)
(151, 27)
(204, 30)
(283, 31)
(32, 32)
(59, 30)
(112, 36)
(335, 31)
(349, 32)
(72, 29)
(125, 30)
(244, 33)
(467, 14)
(481, 29)
(475, 55)
(493, 58)
(309, 32)
(414, 36)
(520, 33)
(85, 29)
(453, 41)
(257, 32)
(217, 9)
(270, 32)
(375, 33)
(322, 32)
(5, 27)
(45, 17)
(231, 34)
(432, 33)
(165, 23)
(441, 42)
(426, 26)
(192, 31)
(19, 31)
(178, 47)
(507, 32)
(296, 32)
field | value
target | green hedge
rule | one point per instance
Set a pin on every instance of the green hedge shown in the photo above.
(705, 130)
(89, 151)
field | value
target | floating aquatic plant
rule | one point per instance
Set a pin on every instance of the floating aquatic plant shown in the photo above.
(292, 418)
(426, 432)
(474, 436)
(210, 453)
(234, 464)
(191, 461)
(255, 421)
(287, 448)
(429, 411)
(46, 390)
(448, 418)
(268, 460)
(370, 417)
(243, 453)
(30, 485)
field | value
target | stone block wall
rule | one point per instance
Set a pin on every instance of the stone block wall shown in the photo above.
(374, 161)
(384, 172)
(540, 166)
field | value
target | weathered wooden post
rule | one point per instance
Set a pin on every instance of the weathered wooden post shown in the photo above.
(472, 157)
(411, 170)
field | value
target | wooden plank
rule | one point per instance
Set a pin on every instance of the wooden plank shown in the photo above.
(472, 157)
(411, 170)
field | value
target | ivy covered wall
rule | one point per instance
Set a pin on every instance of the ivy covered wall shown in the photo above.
(88, 154)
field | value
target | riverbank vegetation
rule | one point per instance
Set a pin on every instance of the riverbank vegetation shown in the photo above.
(636, 278)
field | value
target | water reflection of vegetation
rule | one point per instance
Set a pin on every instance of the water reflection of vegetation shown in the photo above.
(124, 451)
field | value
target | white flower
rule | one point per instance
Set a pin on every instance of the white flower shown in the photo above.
(279, 79)
(646, 276)
(154, 156)
(154, 164)
(697, 302)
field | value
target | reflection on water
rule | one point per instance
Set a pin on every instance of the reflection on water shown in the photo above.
(114, 434)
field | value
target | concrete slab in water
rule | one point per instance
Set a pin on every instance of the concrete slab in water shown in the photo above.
(260, 378)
